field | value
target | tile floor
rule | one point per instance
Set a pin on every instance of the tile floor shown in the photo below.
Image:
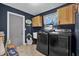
(28, 50)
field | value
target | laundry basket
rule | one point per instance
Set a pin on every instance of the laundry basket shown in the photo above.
(11, 50)
(2, 49)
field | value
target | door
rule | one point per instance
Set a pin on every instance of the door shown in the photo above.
(77, 34)
(15, 29)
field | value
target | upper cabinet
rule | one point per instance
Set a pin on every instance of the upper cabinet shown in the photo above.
(37, 21)
(66, 14)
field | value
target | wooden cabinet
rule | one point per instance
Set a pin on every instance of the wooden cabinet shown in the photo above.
(66, 14)
(37, 21)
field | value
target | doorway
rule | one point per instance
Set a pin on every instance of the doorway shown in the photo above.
(16, 28)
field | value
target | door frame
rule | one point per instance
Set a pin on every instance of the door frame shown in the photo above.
(8, 13)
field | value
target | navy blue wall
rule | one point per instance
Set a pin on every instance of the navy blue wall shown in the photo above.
(3, 18)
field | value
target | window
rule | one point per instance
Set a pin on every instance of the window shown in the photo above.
(50, 19)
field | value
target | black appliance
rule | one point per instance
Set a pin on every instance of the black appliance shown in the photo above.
(54, 44)
(59, 44)
(42, 42)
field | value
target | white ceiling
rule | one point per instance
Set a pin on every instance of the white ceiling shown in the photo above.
(34, 8)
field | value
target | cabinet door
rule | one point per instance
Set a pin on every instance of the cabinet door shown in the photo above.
(34, 21)
(61, 15)
(66, 15)
(70, 14)
(37, 21)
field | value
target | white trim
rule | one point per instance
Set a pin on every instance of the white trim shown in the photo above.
(7, 26)
(8, 12)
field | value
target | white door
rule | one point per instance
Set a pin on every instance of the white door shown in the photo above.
(15, 28)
